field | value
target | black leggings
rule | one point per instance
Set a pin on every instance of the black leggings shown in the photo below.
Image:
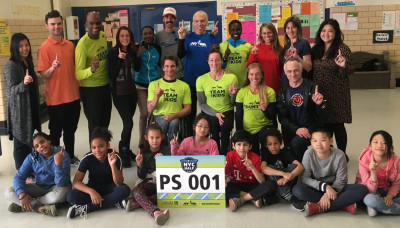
(339, 131)
(225, 129)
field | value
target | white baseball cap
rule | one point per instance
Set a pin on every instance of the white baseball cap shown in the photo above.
(170, 11)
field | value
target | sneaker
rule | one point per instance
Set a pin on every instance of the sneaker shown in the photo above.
(75, 161)
(121, 204)
(257, 203)
(75, 210)
(270, 199)
(132, 204)
(49, 210)
(297, 204)
(235, 203)
(14, 208)
(126, 159)
(161, 216)
(30, 179)
(312, 209)
(352, 208)
(371, 211)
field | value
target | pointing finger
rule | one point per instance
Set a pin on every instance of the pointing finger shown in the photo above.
(291, 43)
(216, 24)
(340, 53)
(94, 58)
(158, 85)
(316, 89)
(183, 24)
(56, 57)
(234, 82)
(27, 72)
(119, 50)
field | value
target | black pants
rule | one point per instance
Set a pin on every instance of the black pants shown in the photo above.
(96, 106)
(259, 140)
(64, 118)
(126, 106)
(189, 119)
(256, 190)
(225, 129)
(21, 150)
(339, 131)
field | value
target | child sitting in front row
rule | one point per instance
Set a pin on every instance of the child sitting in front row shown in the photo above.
(323, 184)
(379, 170)
(281, 166)
(199, 143)
(243, 174)
(145, 193)
(106, 186)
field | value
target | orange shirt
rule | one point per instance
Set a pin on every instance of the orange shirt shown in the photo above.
(62, 86)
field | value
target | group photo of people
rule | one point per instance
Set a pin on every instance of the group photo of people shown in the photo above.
(278, 112)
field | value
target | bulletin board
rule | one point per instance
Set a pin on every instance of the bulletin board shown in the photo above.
(253, 14)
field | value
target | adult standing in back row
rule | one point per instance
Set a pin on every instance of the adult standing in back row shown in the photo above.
(91, 72)
(332, 67)
(194, 47)
(56, 64)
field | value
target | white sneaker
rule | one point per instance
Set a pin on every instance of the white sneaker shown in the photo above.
(371, 212)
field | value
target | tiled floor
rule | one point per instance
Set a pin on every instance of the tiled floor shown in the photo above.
(372, 110)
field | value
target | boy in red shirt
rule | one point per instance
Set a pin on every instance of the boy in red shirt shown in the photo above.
(245, 180)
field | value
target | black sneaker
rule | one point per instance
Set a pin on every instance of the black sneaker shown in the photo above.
(297, 204)
(125, 157)
(76, 210)
(75, 161)
(270, 199)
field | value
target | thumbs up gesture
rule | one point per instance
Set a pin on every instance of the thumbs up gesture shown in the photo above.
(317, 97)
(159, 91)
(27, 79)
(232, 88)
(95, 64)
(182, 31)
(340, 60)
(214, 30)
(121, 54)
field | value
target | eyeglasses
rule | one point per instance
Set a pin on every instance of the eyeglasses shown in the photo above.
(201, 126)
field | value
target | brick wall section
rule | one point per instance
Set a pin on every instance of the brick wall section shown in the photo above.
(370, 19)
(37, 33)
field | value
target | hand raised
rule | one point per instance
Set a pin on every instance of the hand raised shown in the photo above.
(27, 79)
(59, 157)
(174, 141)
(139, 158)
(340, 60)
(317, 97)
(95, 64)
(112, 157)
(254, 49)
(232, 88)
(214, 30)
(182, 31)
(293, 50)
(140, 50)
(121, 54)
(56, 63)
(227, 52)
(159, 91)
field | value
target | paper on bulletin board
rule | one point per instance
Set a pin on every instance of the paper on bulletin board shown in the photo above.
(249, 29)
(230, 17)
(352, 21)
(341, 19)
(296, 8)
(313, 30)
(276, 12)
(305, 20)
(388, 20)
(186, 24)
(314, 19)
(210, 25)
(4, 37)
(305, 8)
(314, 7)
(264, 13)
(123, 18)
(397, 18)
(281, 22)
(286, 12)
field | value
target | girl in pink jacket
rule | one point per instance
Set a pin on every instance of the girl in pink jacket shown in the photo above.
(379, 170)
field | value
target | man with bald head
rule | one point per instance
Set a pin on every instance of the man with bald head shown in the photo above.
(301, 108)
(91, 72)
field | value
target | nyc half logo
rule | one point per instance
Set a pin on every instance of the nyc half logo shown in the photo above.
(189, 164)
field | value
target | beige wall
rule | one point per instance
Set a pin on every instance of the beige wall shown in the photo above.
(370, 19)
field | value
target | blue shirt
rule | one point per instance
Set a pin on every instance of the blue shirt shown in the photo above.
(197, 47)
(297, 100)
(47, 174)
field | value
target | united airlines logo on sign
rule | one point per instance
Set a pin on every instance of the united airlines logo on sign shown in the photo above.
(189, 164)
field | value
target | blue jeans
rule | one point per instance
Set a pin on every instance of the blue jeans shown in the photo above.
(375, 201)
(111, 195)
(169, 129)
(351, 193)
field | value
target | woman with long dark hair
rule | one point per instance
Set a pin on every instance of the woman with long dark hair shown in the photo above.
(123, 61)
(332, 67)
(22, 97)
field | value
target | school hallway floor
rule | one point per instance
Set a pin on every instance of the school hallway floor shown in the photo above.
(372, 110)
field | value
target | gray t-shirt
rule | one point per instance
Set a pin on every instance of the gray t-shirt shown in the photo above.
(318, 173)
(169, 47)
